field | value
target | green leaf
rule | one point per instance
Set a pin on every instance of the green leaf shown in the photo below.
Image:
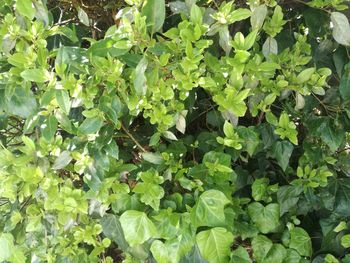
(140, 84)
(259, 188)
(288, 197)
(240, 255)
(258, 16)
(25, 8)
(62, 160)
(63, 100)
(344, 86)
(154, 158)
(345, 241)
(238, 15)
(265, 218)
(341, 28)
(209, 209)
(261, 246)
(172, 250)
(283, 151)
(305, 75)
(196, 15)
(49, 128)
(22, 103)
(193, 256)
(91, 125)
(83, 17)
(270, 46)
(113, 230)
(6, 245)
(137, 227)
(300, 241)
(36, 75)
(214, 244)
(154, 11)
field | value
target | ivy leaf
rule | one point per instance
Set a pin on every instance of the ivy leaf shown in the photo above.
(137, 227)
(214, 244)
(282, 152)
(193, 256)
(261, 246)
(25, 8)
(113, 230)
(288, 197)
(154, 11)
(241, 255)
(140, 78)
(300, 241)
(265, 218)
(172, 250)
(209, 210)
(341, 28)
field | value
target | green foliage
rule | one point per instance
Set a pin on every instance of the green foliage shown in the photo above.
(174, 131)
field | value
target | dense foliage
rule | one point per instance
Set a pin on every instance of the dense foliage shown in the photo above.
(183, 131)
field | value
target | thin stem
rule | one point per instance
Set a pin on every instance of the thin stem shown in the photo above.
(133, 138)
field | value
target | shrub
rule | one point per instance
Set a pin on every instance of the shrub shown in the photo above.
(195, 131)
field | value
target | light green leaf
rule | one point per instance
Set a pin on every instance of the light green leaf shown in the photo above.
(49, 128)
(209, 209)
(345, 241)
(91, 125)
(36, 75)
(258, 16)
(83, 16)
(25, 8)
(305, 75)
(62, 160)
(63, 100)
(137, 227)
(140, 84)
(241, 255)
(300, 241)
(196, 15)
(6, 245)
(214, 244)
(266, 218)
(341, 28)
(154, 11)
(270, 46)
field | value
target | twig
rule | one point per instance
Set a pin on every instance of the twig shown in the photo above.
(133, 138)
